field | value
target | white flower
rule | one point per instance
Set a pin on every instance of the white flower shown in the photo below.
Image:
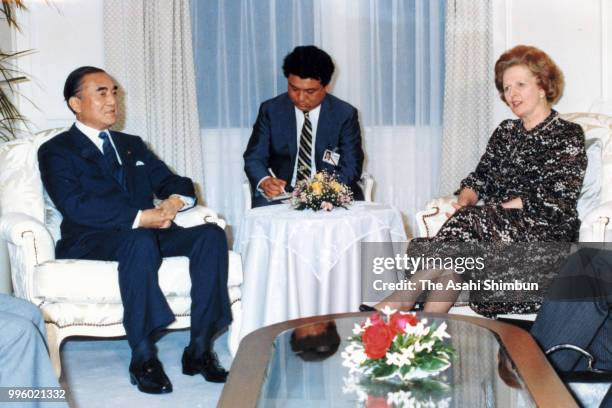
(408, 352)
(440, 332)
(419, 330)
(394, 359)
(388, 311)
(418, 346)
(357, 329)
(401, 358)
(354, 356)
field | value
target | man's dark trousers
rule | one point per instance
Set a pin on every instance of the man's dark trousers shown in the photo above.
(140, 252)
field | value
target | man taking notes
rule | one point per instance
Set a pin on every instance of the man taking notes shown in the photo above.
(302, 131)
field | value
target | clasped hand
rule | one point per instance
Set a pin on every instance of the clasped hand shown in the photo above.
(469, 197)
(161, 217)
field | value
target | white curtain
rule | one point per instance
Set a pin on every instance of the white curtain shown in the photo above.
(148, 50)
(389, 64)
(469, 90)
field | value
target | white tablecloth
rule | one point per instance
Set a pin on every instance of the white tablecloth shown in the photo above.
(305, 263)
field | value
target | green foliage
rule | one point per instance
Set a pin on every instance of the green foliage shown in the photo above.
(10, 118)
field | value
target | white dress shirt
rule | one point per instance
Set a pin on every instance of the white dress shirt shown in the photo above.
(93, 135)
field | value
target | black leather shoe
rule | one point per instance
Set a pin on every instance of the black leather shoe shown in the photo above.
(365, 308)
(150, 377)
(207, 365)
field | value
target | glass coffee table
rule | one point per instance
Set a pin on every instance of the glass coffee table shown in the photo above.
(496, 365)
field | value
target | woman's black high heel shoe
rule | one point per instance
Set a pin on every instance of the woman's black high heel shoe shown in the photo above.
(365, 308)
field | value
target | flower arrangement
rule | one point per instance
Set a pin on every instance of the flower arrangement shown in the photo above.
(397, 345)
(322, 192)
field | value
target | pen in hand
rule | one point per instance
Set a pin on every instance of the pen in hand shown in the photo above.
(274, 175)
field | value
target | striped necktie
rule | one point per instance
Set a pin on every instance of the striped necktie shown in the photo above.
(110, 159)
(305, 150)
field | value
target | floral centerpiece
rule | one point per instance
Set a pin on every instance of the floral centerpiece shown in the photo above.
(397, 345)
(322, 192)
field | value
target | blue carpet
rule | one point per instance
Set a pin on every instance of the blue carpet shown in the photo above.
(95, 374)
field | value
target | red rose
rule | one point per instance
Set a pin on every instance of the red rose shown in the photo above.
(376, 339)
(374, 319)
(398, 321)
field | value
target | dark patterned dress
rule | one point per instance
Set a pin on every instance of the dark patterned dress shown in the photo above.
(545, 167)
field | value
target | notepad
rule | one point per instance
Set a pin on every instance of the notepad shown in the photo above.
(282, 196)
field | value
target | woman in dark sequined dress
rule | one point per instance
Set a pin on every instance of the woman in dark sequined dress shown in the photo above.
(529, 179)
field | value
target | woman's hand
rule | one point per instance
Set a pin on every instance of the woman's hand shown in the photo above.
(467, 197)
(514, 203)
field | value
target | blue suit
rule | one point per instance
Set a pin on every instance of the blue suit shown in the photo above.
(273, 143)
(98, 213)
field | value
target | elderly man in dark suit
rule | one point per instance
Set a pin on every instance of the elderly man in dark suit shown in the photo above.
(303, 131)
(104, 183)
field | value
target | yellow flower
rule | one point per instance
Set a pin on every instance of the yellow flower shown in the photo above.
(318, 176)
(337, 187)
(317, 188)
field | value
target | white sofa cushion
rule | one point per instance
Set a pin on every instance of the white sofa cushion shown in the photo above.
(590, 195)
(86, 281)
(597, 186)
(20, 184)
(89, 281)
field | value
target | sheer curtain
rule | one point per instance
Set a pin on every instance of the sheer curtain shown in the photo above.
(148, 50)
(389, 64)
(470, 89)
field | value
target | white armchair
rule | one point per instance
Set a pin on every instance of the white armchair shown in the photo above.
(594, 204)
(81, 297)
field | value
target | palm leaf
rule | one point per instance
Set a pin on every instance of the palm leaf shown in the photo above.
(10, 119)
(8, 9)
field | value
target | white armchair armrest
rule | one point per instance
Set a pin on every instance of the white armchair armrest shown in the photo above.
(597, 225)
(20, 229)
(198, 215)
(366, 183)
(431, 219)
(29, 244)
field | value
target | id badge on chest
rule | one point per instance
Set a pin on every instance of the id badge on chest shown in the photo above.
(331, 157)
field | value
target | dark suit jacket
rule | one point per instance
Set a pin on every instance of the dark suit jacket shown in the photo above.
(87, 195)
(273, 143)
